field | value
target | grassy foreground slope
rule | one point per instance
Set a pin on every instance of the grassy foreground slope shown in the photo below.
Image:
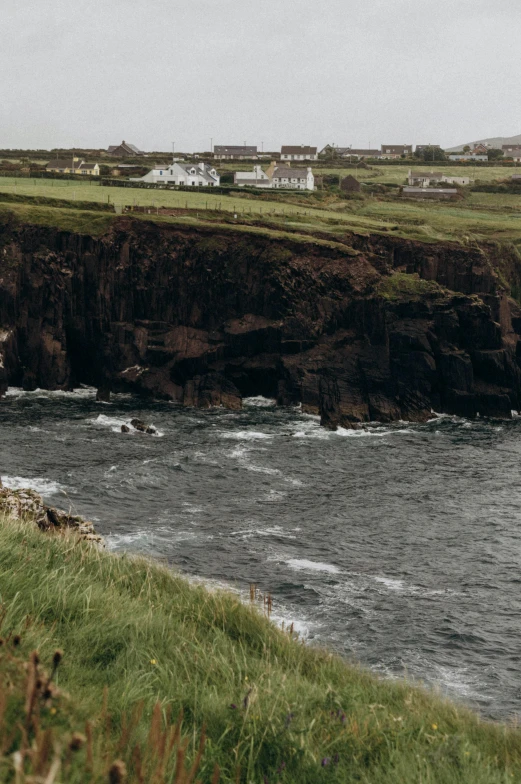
(139, 644)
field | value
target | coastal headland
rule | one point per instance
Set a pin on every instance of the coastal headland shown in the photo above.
(365, 327)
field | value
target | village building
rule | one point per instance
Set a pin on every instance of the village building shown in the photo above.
(512, 151)
(298, 179)
(276, 176)
(256, 178)
(234, 153)
(480, 149)
(350, 184)
(124, 150)
(349, 152)
(392, 151)
(73, 166)
(298, 153)
(429, 193)
(423, 178)
(199, 175)
(467, 156)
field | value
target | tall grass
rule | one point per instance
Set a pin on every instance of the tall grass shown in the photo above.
(140, 646)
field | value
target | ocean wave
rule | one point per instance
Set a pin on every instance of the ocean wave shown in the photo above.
(115, 424)
(247, 435)
(304, 564)
(81, 392)
(40, 485)
(259, 402)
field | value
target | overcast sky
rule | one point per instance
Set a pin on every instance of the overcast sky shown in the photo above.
(89, 73)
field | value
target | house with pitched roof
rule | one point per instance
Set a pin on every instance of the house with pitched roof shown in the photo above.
(234, 152)
(73, 166)
(298, 153)
(512, 151)
(395, 150)
(287, 177)
(124, 150)
(257, 178)
(196, 175)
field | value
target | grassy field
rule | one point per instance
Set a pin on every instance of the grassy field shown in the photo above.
(131, 646)
(480, 216)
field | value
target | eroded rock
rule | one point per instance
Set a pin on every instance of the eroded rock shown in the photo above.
(28, 504)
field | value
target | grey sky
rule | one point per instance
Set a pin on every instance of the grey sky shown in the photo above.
(89, 73)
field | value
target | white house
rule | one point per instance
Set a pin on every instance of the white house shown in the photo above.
(426, 178)
(298, 153)
(463, 156)
(252, 179)
(198, 175)
(299, 179)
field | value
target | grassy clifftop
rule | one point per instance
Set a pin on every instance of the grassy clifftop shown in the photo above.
(137, 645)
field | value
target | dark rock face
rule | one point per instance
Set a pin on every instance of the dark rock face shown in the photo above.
(206, 319)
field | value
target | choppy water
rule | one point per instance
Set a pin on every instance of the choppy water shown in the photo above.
(398, 545)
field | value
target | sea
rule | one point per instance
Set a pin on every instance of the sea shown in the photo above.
(397, 546)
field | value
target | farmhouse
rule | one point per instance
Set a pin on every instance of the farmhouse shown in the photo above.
(423, 178)
(256, 178)
(299, 153)
(73, 166)
(234, 153)
(480, 149)
(124, 150)
(430, 193)
(299, 179)
(395, 150)
(198, 175)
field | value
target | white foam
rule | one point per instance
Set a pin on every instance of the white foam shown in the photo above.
(259, 402)
(115, 425)
(274, 530)
(81, 392)
(246, 435)
(392, 584)
(39, 484)
(303, 564)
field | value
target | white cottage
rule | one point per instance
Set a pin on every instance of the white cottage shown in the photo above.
(287, 177)
(256, 178)
(198, 175)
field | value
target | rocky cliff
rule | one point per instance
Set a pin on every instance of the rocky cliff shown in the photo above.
(373, 328)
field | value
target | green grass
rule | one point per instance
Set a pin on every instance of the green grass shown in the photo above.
(479, 217)
(402, 286)
(273, 709)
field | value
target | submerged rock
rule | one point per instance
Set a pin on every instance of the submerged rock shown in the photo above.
(138, 424)
(28, 504)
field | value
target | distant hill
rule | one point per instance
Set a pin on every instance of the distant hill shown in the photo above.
(496, 142)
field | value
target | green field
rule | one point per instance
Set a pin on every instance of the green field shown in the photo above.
(480, 216)
(138, 646)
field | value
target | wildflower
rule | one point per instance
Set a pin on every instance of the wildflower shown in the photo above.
(288, 719)
(281, 767)
(325, 761)
(434, 726)
(246, 700)
(56, 659)
(336, 758)
(233, 706)
(52, 711)
(77, 741)
(117, 772)
(153, 661)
